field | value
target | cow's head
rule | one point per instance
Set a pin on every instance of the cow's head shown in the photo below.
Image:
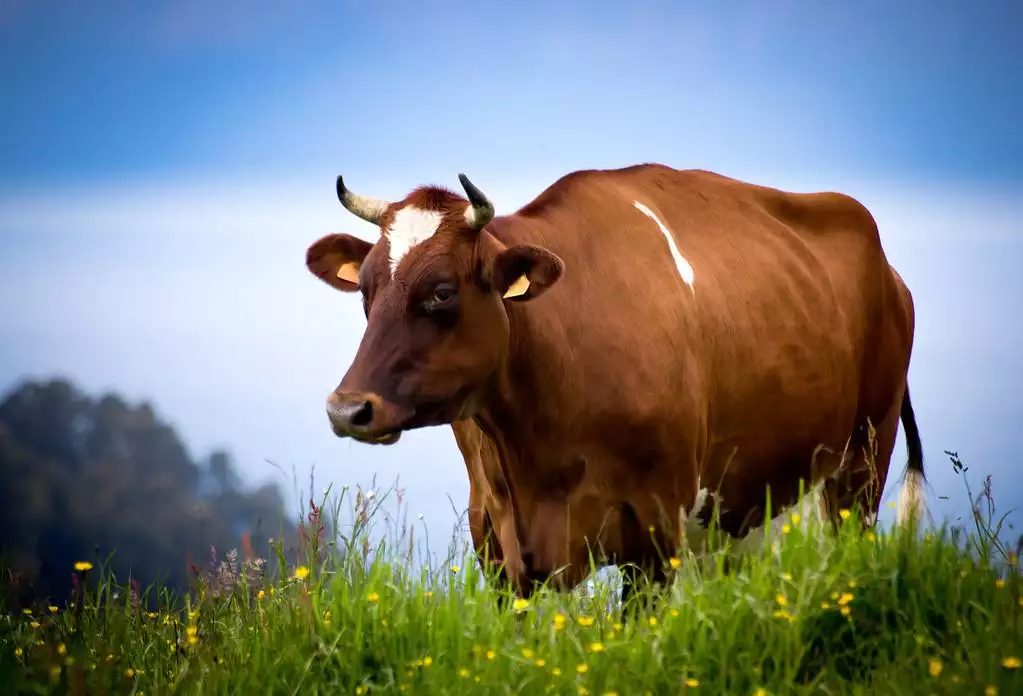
(434, 289)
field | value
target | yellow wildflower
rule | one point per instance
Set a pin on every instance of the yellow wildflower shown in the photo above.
(581, 668)
(427, 661)
(785, 528)
(585, 620)
(18, 652)
(596, 647)
(674, 612)
(783, 614)
(760, 692)
(1000, 583)
(845, 598)
(55, 672)
(782, 600)
(455, 569)
(1011, 663)
(301, 573)
(845, 611)
(991, 690)
(825, 605)
(934, 666)
(844, 514)
(527, 653)
(463, 673)
(786, 576)
(129, 673)
(852, 584)
(83, 566)
(674, 562)
(652, 621)
(53, 609)
(490, 654)
(359, 690)
(34, 624)
(62, 649)
(692, 683)
(556, 671)
(616, 626)
(373, 596)
(871, 537)
(541, 662)
(520, 604)
(559, 622)
(796, 517)
(261, 595)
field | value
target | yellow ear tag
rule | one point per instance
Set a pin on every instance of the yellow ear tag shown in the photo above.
(349, 271)
(518, 288)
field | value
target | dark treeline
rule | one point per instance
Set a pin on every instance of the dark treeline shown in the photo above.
(84, 478)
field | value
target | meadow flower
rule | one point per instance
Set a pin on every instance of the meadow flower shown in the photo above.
(785, 528)
(787, 577)
(782, 600)
(556, 671)
(261, 595)
(193, 635)
(18, 652)
(427, 661)
(585, 620)
(463, 673)
(490, 654)
(845, 611)
(1000, 583)
(1011, 663)
(991, 690)
(527, 653)
(581, 669)
(373, 596)
(541, 662)
(62, 649)
(520, 604)
(301, 573)
(129, 673)
(783, 614)
(796, 517)
(83, 566)
(53, 609)
(455, 569)
(652, 621)
(844, 514)
(934, 666)
(845, 598)
(674, 562)
(692, 683)
(596, 647)
(34, 624)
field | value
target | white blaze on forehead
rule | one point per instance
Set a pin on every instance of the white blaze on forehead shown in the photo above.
(685, 271)
(410, 227)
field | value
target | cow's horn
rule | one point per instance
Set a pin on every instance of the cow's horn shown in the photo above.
(480, 210)
(369, 209)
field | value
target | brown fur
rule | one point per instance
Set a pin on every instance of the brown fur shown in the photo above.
(598, 404)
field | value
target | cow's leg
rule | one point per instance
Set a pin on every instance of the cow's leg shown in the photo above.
(862, 478)
(488, 550)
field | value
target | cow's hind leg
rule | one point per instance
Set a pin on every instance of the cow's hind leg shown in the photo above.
(861, 479)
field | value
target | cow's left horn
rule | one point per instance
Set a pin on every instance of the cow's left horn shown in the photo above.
(369, 209)
(480, 210)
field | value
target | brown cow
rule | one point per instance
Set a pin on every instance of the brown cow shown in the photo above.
(631, 347)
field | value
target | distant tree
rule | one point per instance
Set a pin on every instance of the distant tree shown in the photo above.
(85, 476)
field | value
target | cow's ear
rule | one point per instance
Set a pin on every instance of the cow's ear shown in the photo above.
(524, 272)
(336, 260)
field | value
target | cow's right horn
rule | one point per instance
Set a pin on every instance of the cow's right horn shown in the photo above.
(369, 209)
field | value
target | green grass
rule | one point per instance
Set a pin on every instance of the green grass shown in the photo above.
(814, 612)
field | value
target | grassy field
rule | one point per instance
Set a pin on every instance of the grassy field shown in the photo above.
(886, 612)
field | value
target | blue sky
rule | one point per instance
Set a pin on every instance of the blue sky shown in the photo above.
(164, 166)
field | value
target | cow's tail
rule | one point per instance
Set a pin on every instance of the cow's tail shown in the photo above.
(911, 498)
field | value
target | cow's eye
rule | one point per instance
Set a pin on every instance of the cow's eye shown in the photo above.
(442, 294)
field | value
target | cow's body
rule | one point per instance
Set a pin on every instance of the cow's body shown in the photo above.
(659, 376)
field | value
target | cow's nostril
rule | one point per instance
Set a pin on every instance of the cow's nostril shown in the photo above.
(362, 416)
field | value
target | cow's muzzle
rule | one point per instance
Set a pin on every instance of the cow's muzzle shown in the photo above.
(365, 417)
